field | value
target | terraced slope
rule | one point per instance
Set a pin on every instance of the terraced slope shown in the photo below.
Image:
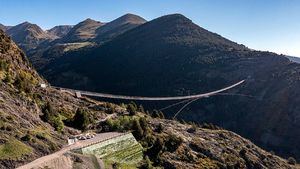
(122, 149)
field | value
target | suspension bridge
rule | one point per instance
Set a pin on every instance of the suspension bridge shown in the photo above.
(182, 99)
(79, 93)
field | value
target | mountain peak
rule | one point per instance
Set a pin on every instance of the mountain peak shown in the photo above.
(89, 20)
(132, 18)
(174, 17)
(25, 23)
(28, 35)
(118, 26)
(176, 28)
(82, 31)
(60, 30)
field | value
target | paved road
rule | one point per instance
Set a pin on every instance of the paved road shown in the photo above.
(98, 138)
(112, 96)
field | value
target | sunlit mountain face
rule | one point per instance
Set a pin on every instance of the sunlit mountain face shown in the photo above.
(172, 56)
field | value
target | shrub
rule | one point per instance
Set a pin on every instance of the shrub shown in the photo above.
(154, 151)
(143, 123)
(292, 161)
(148, 141)
(122, 123)
(141, 109)
(146, 164)
(173, 142)
(25, 81)
(27, 137)
(40, 136)
(192, 129)
(81, 119)
(116, 165)
(52, 117)
(4, 65)
(21, 84)
(132, 108)
(48, 111)
(57, 123)
(159, 128)
(8, 78)
(138, 131)
(157, 114)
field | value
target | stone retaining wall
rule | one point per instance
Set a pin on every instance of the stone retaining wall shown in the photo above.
(123, 149)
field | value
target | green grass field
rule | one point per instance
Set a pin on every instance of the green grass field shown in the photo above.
(14, 149)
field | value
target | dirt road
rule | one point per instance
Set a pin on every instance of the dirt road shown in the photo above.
(42, 160)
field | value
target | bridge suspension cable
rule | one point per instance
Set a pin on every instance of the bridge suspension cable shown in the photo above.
(122, 97)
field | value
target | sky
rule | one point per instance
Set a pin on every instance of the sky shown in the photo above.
(269, 25)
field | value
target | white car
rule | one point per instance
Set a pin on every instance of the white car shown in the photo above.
(82, 138)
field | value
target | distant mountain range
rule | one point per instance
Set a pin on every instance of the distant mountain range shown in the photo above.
(171, 56)
(29, 36)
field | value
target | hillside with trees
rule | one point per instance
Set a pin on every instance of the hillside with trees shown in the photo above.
(172, 56)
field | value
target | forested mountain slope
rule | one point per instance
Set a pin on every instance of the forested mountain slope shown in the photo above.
(172, 56)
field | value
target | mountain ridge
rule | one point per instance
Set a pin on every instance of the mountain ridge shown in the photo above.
(172, 56)
(28, 35)
(3, 27)
(118, 26)
(82, 31)
(26, 136)
(31, 127)
(60, 30)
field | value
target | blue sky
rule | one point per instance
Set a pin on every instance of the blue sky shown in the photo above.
(272, 25)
